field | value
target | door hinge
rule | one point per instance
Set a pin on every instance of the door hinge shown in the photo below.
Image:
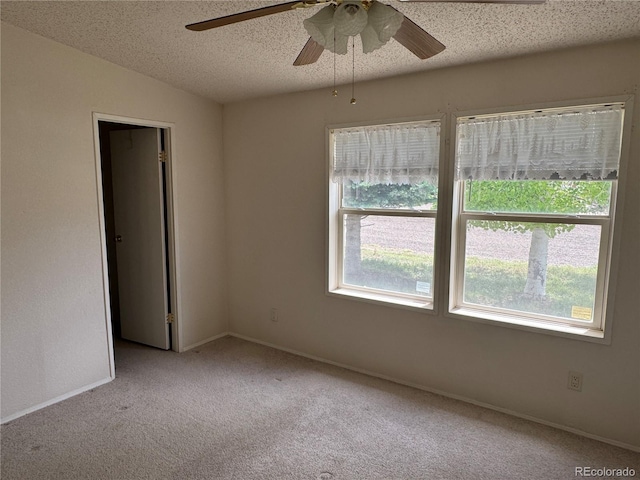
(170, 318)
(162, 156)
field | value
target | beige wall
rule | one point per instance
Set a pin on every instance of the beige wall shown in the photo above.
(54, 329)
(276, 182)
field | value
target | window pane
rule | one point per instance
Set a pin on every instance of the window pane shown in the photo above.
(389, 253)
(539, 268)
(422, 196)
(538, 196)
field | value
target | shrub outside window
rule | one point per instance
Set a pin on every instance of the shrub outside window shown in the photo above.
(533, 215)
(383, 207)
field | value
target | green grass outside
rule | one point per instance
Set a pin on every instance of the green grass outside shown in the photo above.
(490, 282)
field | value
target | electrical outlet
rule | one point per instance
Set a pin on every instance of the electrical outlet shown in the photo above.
(575, 381)
(274, 315)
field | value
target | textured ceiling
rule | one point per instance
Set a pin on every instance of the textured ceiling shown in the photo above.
(254, 58)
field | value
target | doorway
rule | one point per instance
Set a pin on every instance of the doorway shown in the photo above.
(134, 166)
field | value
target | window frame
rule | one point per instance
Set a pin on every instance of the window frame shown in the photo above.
(609, 239)
(335, 229)
(446, 229)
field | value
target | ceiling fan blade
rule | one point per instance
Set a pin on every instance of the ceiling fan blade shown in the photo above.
(310, 53)
(417, 41)
(248, 15)
(522, 2)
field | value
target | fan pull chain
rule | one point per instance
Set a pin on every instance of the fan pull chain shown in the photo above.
(335, 90)
(353, 71)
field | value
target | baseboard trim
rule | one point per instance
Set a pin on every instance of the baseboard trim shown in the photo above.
(453, 396)
(48, 403)
(210, 339)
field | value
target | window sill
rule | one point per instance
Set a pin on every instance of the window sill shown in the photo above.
(381, 299)
(537, 326)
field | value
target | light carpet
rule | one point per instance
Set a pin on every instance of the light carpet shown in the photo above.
(232, 409)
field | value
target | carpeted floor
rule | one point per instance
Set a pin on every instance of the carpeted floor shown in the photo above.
(236, 410)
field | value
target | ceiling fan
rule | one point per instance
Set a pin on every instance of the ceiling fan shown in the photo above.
(331, 27)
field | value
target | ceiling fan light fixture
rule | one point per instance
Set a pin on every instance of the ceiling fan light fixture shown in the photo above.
(370, 40)
(375, 22)
(340, 45)
(384, 23)
(321, 28)
(350, 18)
(384, 20)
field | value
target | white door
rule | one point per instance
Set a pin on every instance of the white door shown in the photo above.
(138, 197)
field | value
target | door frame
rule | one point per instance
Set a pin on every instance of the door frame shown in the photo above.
(171, 225)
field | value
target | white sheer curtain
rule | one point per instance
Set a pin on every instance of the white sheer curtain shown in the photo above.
(400, 154)
(576, 143)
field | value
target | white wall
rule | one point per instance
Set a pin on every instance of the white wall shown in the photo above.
(54, 329)
(275, 173)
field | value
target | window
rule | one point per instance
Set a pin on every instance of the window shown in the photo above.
(533, 213)
(529, 241)
(383, 192)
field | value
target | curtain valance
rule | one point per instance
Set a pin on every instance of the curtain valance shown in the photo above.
(576, 143)
(401, 154)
